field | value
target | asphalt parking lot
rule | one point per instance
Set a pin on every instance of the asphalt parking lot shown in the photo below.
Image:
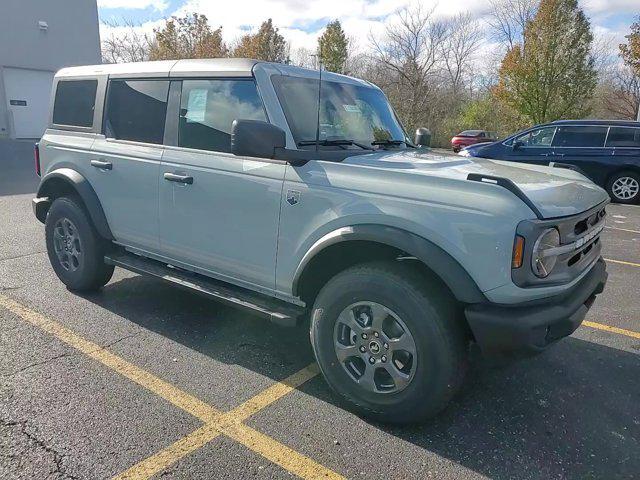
(142, 380)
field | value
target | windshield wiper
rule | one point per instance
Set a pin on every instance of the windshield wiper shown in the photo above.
(389, 142)
(340, 142)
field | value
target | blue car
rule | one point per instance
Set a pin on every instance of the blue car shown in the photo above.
(606, 151)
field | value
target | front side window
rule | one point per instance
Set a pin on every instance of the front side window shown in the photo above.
(580, 136)
(209, 107)
(347, 112)
(74, 102)
(623, 137)
(540, 137)
(136, 110)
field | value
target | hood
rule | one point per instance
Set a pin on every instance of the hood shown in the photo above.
(556, 192)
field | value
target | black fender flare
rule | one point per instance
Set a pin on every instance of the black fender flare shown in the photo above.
(455, 277)
(85, 191)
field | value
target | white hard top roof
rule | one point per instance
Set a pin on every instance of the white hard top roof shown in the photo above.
(231, 67)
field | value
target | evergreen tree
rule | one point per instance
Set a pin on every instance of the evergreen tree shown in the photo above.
(333, 47)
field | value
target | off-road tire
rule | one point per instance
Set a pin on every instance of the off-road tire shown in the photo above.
(432, 316)
(91, 273)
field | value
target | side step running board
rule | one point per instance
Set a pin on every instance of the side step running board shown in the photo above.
(277, 311)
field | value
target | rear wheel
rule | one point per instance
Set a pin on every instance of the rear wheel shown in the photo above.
(76, 251)
(389, 341)
(624, 187)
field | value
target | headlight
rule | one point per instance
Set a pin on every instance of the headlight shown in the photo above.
(464, 153)
(542, 259)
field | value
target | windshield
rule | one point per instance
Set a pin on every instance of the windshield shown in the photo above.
(350, 112)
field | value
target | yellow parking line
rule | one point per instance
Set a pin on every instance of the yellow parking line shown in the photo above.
(171, 454)
(279, 454)
(177, 397)
(609, 328)
(631, 264)
(273, 393)
(216, 422)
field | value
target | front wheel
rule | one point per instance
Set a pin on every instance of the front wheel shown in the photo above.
(389, 341)
(624, 187)
(76, 250)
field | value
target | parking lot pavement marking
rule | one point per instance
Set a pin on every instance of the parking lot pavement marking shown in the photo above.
(168, 456)
(609, 328)
(216, 422)
(177, 397)
(622, 262)
(622, 229)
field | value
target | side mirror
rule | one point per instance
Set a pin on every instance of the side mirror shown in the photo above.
(254, 138)
(517, 144)
(423, 137)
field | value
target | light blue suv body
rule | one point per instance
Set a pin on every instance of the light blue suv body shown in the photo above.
(281, 225)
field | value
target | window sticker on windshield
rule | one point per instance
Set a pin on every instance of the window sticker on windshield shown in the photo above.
(351, 108)
(197, 105)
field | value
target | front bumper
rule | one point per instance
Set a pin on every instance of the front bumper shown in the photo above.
(531, 327)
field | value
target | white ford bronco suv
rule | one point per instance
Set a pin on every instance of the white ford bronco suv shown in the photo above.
(299, 195)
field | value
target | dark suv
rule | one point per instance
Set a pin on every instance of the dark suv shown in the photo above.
(606, 151)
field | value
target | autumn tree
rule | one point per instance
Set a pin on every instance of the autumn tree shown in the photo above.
(551, 74)
(266, 44)
(190, 36)
(333, 48)
(630, 51)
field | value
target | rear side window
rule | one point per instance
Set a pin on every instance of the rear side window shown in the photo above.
(209, 107)
(623, 137)
(580, 136)
(74, 103)
(136, 110)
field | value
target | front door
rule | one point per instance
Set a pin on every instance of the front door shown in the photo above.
(125, 160)
(532, 147)
(219, 213)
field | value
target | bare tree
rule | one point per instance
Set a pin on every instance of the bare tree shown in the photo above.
(459, 47)
(618, 94)
(407, 63)
(303, 57)
(126, 42)
(508, 19)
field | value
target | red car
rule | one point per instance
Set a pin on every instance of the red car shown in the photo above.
(469, 137)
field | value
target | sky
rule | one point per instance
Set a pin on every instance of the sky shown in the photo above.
(302, 21)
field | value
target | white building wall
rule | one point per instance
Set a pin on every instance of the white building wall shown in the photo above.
(69, 36)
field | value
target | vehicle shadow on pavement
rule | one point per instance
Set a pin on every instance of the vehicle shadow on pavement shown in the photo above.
(572, 412)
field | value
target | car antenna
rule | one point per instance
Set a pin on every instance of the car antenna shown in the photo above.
(319, 98)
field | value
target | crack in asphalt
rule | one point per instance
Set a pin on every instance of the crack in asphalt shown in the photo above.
(58, 458)
(3, 259)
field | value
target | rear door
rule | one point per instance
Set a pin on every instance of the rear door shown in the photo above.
(218, 213)
(125, 159)
(584, 147)
(532, 147)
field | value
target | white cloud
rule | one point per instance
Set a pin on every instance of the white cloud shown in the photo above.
(302, 21)
(610, 7)
(160, 5)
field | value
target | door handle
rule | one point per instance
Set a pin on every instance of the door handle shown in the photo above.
(102, 165)
(173, 177)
